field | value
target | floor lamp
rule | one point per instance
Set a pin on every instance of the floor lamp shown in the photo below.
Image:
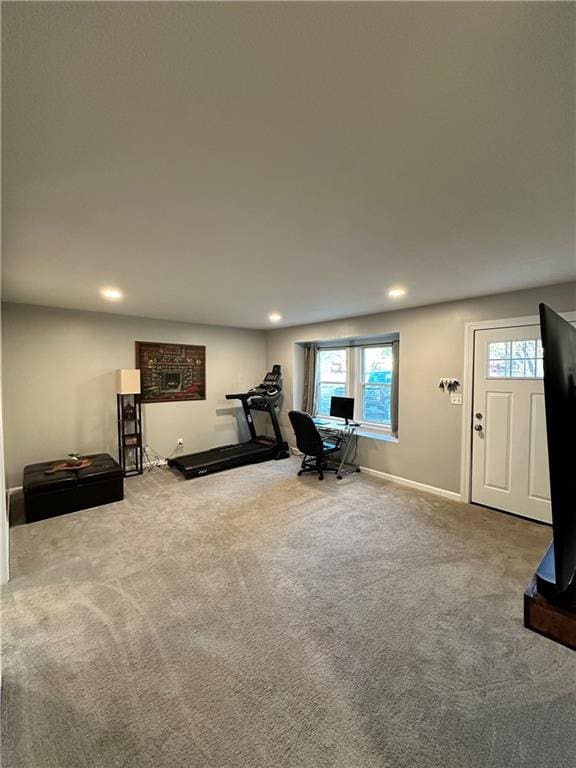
(129, 421)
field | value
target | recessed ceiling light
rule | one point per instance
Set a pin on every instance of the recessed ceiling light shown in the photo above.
(112, 294)
(396, 293)
(275, 317)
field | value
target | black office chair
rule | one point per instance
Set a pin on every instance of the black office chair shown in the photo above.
(310, 443)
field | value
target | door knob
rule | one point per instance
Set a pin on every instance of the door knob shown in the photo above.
(478, 427)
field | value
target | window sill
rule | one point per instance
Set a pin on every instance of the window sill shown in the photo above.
(374, 434)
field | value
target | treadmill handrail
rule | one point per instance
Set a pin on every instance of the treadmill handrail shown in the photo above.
(244, 397)
(249, 395)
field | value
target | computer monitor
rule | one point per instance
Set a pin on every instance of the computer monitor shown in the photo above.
(342, 408)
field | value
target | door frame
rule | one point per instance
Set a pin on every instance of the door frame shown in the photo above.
(470, 329)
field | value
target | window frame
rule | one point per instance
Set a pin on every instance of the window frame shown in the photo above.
(354, 385)
(360, 386)
(318, 381)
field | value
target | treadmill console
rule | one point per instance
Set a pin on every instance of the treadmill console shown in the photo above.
(274, 376)
(269, 390)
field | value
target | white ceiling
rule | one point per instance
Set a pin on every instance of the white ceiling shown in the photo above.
(221, 161)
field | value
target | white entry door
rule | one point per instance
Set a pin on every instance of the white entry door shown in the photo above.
(509, 450)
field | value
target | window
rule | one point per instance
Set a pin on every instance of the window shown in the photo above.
(365, 373)
(331, 377)
(376, 384)
(515, 359)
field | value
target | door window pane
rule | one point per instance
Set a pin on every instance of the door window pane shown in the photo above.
(498, 368)
(518, 370)
(515, 359)
(499, 350)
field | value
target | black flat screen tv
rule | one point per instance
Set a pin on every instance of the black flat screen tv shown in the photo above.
(557, 571)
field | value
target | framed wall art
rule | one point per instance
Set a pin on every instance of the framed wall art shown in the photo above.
(170, 373)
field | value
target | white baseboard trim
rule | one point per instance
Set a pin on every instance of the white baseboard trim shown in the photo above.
(452, 495)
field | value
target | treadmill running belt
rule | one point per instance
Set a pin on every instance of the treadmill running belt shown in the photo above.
(220, 454)
(224, 457)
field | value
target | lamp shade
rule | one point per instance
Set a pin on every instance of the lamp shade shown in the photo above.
(128, 381)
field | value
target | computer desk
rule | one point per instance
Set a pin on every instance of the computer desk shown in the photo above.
(347, 434)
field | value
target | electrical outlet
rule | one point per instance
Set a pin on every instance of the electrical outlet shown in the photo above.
(180, 442)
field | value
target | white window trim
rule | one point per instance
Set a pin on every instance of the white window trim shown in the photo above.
(354, 388)
(345, 349)
(358, 389)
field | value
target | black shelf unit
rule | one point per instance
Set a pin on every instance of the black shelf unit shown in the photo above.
(130, 453)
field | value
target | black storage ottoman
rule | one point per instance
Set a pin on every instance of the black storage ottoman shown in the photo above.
(70, 490)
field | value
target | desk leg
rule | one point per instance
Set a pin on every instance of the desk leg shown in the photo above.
(348, 442)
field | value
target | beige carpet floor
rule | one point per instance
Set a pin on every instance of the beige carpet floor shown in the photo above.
(254, 619)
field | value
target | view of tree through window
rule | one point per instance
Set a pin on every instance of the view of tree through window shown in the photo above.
(331, 375)
(376, 378)
(515, 359)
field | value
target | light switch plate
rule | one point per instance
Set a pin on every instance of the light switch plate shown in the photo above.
(456, 398)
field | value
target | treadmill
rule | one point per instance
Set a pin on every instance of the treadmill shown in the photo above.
(259, 448)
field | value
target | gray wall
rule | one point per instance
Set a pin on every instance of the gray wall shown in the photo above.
(3, 517)
(59, 385)
(58, 380)
(431, 346)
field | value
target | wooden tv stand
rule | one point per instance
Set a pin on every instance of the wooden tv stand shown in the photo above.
(557, 622)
